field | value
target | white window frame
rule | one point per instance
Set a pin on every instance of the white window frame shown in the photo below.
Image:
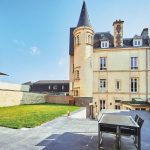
(103, 63)
(134, 63)
(103, 85)
(104, 44)
(134, 85)
(137, 42)
(102, 104)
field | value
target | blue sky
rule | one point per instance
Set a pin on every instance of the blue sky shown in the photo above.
(34, 34)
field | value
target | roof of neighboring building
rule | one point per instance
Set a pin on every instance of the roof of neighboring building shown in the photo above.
(84, 17)
(3, 74)
(100, 36)
(51, 82)
(27, 83)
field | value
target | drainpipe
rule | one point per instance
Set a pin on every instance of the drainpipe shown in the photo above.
(147, 75)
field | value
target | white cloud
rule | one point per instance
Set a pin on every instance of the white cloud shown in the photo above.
(34, 50)
(19, 42)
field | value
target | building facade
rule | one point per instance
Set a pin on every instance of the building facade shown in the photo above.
(52, 87)
(108, 69)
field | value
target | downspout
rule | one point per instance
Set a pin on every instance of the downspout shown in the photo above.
(147, 75)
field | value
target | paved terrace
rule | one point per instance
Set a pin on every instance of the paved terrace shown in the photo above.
(66, 133)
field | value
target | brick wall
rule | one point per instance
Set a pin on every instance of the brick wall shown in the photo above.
(59, 99)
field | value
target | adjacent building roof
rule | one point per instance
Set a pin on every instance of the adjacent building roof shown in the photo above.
(84, 18)
(51, 81)
(3, 74)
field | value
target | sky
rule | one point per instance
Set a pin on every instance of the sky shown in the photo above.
(34, 34)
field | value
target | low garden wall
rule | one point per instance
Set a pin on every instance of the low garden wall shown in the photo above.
(59, 99)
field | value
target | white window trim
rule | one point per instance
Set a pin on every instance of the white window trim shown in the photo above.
(104, 44)
(134, 63)
(103, 63)
(102, 88)
(134, 91)
(137, 42)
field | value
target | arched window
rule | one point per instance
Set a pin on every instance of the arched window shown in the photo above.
(89, 39)
(78, 40)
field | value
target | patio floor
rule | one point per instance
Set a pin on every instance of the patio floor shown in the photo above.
(66, 133)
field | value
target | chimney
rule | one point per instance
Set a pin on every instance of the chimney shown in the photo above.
(118, 33)
(144, 33)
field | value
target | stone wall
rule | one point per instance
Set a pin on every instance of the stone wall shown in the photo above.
(12, 98)
(59, 99)
(14, 87)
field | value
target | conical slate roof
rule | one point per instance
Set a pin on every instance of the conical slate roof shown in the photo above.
(84, 18)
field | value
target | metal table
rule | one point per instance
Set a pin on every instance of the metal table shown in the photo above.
(118, 121)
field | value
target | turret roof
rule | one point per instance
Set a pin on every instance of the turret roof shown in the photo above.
(84, 18)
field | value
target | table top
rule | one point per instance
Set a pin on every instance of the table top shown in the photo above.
(118, 120)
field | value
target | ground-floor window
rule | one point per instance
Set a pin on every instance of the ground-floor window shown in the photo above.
(102, 104)
(117, 107)
(76, 93)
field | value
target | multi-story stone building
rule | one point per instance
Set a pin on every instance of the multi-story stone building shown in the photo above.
(108, 69)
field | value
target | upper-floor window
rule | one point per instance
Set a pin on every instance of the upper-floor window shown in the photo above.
(134, 85)
(102, 63)
(118, 85)
(134, 62)
(137, 42)
(77, 75)
(89, 39)
(104, 44)
(77, 40)
(102, 85)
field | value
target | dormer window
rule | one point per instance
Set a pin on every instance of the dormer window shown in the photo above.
(104, 44)
(137, 42)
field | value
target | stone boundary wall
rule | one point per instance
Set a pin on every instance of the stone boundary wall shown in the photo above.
(59, 99)
(12, 98)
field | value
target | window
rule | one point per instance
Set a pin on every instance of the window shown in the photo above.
(134, 63)
(63, 87)
(118, 85)
(77, 75)
(102, 104)
(117, 107)
(73, 68)
(137, 42)
(102, 85)
(134, 85)
(104, 44)
(102, 63)
(49, 87)
(78, 40)
(55, 87)
(76, 93)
